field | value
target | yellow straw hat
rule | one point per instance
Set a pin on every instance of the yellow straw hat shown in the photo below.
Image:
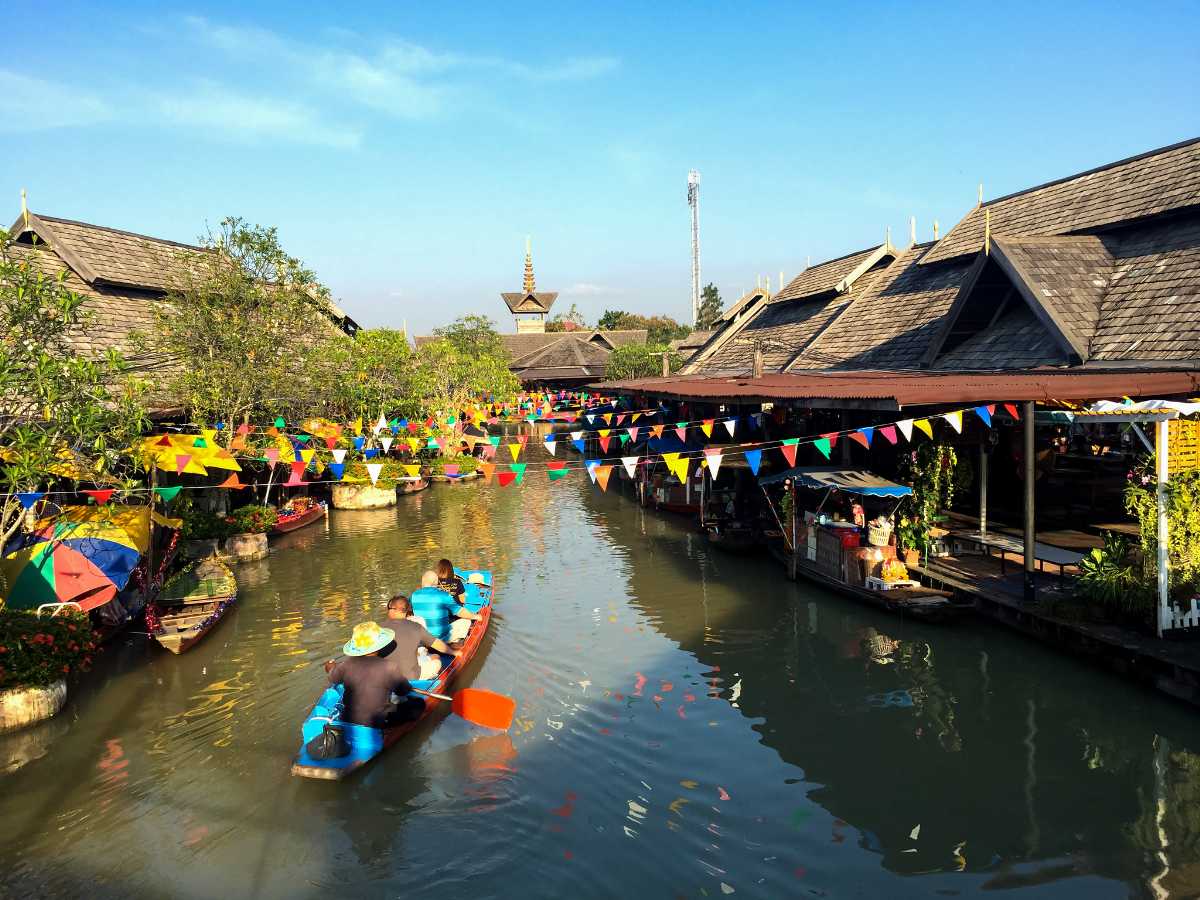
(367, 638)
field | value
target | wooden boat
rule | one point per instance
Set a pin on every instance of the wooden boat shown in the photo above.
(298, 512)
(454, 479)
(411, 485)
(734, 539)
(829, 568)
(366, 743)
(190, 604)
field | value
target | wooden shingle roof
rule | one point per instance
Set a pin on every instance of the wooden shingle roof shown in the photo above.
(834, 274)
(535, 302)
(1134, 188)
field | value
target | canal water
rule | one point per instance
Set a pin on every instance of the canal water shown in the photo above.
(689, 724)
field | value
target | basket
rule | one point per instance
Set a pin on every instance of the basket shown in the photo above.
(879, 532)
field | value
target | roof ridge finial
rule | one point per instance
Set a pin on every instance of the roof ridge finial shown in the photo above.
(530, 287)
(24, 208)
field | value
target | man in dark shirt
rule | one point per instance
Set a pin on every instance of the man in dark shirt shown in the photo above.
(410, 636)
(369, 681)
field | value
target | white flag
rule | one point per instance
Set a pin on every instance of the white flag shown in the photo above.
(380, 425)
(630, 463)
(387, 444)
(906, 428)
(550, 446)
(339, 455)
(714, 463)
(576, 435)
(373, 469)
(591, 469)
(730, 425)
(591, 420)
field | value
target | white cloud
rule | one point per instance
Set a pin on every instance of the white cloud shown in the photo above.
(588, 289)
(213, 108)
(31, 104)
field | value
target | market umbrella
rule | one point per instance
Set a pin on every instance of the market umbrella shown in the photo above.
(85, 555)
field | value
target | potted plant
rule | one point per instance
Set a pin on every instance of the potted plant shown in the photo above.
(355, 490)
(36, 656)
(249, 526)
(202, 530)
(912, 538)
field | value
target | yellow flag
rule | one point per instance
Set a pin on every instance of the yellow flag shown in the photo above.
(412, 471)
(924, 425)
(515, 450)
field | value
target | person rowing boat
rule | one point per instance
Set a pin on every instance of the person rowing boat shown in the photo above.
(369, 680)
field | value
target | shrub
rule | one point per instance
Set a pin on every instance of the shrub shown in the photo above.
(38, 651)
(200, 524)
(252, 519)
(466, 464)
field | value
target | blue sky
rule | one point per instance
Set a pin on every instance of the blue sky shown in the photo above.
(405, 150)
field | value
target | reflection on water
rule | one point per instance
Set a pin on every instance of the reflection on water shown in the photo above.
(688, 724)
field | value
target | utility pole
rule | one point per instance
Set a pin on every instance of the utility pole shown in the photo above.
(694, 203)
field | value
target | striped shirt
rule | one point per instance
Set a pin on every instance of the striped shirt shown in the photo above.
(437, 608)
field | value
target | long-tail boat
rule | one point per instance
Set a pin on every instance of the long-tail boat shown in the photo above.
(190, 604)
(364, 742)
(298, 512)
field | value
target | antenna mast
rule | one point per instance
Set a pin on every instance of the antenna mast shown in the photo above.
(694, 203)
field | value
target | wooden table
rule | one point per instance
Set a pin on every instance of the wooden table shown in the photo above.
(1042, 553)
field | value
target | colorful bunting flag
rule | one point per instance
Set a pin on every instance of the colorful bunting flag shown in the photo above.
(730, 425)
(413, 471)
(656, 430)
(519, 470)
(681, 431)
(822, 444)
(556, 474)
(1011, 409)
(338, 470)
(339, 455)
(889, 432)
(515, 450)
(373, 470)
(713, 458)
(632, 432)
(550, 445)
(168, 493)
(604, 443)
(181, 461)
(602, 473)
(862, 436)
(28, 498)
(233, 482)
(387, 443)
(985, 414)
(450, 470)
(753, 460)
(906, 427)
(630, 464)
(243, 429)
(591, 468)
(578, 444)
(100, 496)
(789, 450)
(359, 442)
(487, 469)
(279, 423)
(505, 478)
(707, 426)
(955, 419)
(923, 425)
(371, 453)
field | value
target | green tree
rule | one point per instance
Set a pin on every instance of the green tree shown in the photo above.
(571, 320)
(474, 335)
(446, 378)
(640, 361)
(659, 329)
(710, 307)
(372, 375)
(247, 326)
(62, 414)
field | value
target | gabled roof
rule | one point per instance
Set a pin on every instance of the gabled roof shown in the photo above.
(108, 256)
(1145, 185)
(569, 350)
(535, 302)
(692, 342)
(747, 300)
(834, 274)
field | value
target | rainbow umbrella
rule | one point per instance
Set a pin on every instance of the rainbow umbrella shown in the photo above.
(85, 555)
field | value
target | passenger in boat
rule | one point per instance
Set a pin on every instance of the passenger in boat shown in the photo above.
(412, 643)
(369, 681)
(444, 615)
(449, 582)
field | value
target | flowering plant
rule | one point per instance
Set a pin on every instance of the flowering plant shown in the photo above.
(252, 519)
(38, 651)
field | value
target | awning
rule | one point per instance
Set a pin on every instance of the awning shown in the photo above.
(882, 389)
(852, 481)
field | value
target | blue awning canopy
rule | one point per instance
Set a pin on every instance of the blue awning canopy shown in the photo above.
(852, 481)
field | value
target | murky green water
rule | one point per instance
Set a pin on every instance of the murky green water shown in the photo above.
(689, 724)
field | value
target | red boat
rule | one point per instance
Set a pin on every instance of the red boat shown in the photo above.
(298, 512)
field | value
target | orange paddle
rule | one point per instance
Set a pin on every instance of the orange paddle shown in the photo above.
(486, 708)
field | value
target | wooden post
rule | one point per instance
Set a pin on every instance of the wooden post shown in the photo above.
(666, 366)
(1160, 459)
(983, 488)
(1030, 413)
(795, 547)
(150, 547)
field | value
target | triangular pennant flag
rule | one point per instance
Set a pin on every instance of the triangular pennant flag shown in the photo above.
(233, 482)
(338, 470)
(955, 419)
(279, 423)
(412, 471)
(28, 498)
(730, 425)
(789, 450)
(859, 438)
(413, 444)
(243, 429)
(868, 432)
(707, 426)
(451, 471)
(635, 417)
(603, 432)
(339, 455)
(632, 432)
(359, 442)
(515, 450)
(307, 454)
(923, 425)
(550, 445)
(297, 469)
(656, 431)
(753, 460)
(556, 474)
(905, 426)
(330, 442)
(624, 437)
(494, 440)
(371, 453)
(100, 496)
(681, 431)
(1011, 409)
(602, 473)
(591, 420)
(301, 439)
(505, 478)
(519, 470)
(373, 470)
(713, 457)
(487, 469)
(889, 432)
(591, 468)
(380, 425)
(387, 443)
(164, 441)
(579, 444)
(607, 417)
(984, 413)
(630, 464)
(604, 443)
(168, 493)
(522, 439)
(181, 461)
(822, 444)
(272, 431)
(238, 442)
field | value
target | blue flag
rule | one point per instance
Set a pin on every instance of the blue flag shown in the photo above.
(578, 444)
(982, 412)
(337, 469)
(28, 498)
(372, 453)
(359, 441)
(753, 459)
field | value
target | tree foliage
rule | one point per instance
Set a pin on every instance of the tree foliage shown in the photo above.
(473, 335)
(62, 414)
(246, 326)
(659, 329)
(640, 361)
(571, 320)
(371, 375)
(710, 308)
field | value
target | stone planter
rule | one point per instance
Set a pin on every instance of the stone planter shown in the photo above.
(246, 547)
(24, 706)
(363, 496)
(201, 548)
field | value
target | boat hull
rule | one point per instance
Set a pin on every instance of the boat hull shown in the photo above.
(313, 514)
(179, 623)
(367, 743)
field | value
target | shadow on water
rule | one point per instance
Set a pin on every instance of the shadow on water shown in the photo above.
(688, 723)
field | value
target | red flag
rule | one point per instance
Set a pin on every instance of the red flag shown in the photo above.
(297, 469)
(1012, 410)
(523, 439)
(164, 441)
(557, 464)
(101, 497)
(789, 453)
(330, 443)
(505, 478)
(604, 444)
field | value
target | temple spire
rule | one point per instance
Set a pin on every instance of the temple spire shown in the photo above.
(529, 285)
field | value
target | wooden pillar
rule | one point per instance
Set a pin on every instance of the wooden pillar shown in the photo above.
(983, 487)
(1030, 413)
(795, 568)
(1160, 460)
